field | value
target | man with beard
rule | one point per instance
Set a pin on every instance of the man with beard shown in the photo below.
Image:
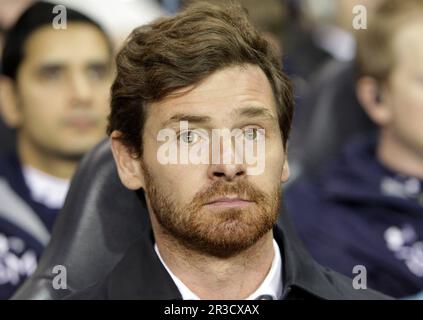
(213, 230)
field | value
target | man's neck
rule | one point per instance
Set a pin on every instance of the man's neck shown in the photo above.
(399, 157)
(30, 156)
(211, 277)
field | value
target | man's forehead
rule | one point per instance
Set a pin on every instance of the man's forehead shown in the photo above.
(406, 43)
(48, 45)
(224, 93)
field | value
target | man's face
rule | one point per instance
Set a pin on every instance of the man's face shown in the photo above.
(404, 96)
(62, 89)
(216, 208)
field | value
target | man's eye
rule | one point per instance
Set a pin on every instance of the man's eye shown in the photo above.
(98, 72)
(189, 137)
(50, 73)
(251, 133)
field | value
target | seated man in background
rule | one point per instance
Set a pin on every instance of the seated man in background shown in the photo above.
(367, 208)
(54, 93)
(189, 85)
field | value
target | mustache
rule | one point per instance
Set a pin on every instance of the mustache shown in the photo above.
(241, 189)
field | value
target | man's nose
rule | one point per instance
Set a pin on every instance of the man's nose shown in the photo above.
(80, 89)
(230, 166)
(228, 172)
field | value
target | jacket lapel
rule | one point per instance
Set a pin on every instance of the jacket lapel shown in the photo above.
(141, 275)
(303, 277)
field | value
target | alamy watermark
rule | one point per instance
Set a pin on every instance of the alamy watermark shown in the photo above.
(60, 20)
(60, 281)
(360, 280)
(359, 21)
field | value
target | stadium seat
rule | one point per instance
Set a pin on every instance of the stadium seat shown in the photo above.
(99, 220)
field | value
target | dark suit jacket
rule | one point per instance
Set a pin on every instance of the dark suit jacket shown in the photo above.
(141, 275)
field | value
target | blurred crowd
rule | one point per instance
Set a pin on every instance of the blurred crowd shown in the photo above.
(356, 151)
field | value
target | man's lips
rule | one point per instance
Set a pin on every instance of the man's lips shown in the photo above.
(228, 202)
(81, 122)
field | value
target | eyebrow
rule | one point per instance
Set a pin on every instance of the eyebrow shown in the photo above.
(248, 112)
(51, 65)
(97, 63)
(253, 112)
(192, 118)
(64, 64)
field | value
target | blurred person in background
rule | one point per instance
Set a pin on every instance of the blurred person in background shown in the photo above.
(10, 10)
(331, 78)
(367, 207)
(54, 94)
(332, 25)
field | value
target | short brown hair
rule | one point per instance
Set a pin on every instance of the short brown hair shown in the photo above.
(269, 16)
(375, 54)
(177, 52)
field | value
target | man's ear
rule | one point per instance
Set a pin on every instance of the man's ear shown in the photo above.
(9, 108)
(285, 170)
(374, 101)
(129, 168)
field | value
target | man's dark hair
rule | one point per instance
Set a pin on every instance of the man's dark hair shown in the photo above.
(34, 17)
(180, 51)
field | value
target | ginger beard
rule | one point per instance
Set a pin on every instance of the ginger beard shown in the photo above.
(219, 232)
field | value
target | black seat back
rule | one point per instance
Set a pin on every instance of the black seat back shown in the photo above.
(99, 220)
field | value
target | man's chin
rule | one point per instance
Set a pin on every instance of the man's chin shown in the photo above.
(224, 238)
(75, 151)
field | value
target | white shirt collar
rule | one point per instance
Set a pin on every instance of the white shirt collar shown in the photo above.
(271, 285)
(46, 189)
